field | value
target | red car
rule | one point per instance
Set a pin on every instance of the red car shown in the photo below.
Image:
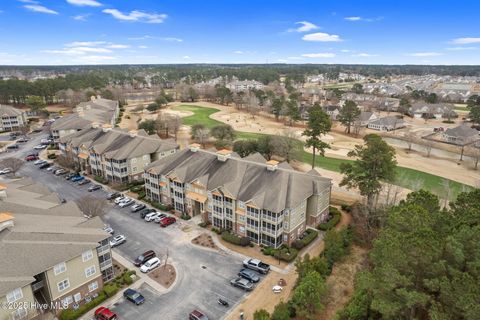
(104, 313)
(31, 157)
(165, 222)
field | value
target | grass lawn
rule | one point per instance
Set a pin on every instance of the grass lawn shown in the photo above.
(406, 177)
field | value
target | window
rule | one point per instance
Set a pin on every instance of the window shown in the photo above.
(60, 268)
(146, 157)
(241, 204)
(134, 160)
(87, 255)
(20, 313)
(15, 295)
(67, 300)
(90, 271)
(77, 297)
(62, 285)
(93, 286)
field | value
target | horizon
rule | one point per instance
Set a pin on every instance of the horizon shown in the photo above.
(145, 32)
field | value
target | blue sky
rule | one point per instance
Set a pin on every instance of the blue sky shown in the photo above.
(51, 32)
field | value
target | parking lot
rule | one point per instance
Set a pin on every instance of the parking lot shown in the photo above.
(203, 276)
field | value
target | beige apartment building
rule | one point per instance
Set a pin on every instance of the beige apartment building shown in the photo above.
(266, 201)
(51, 256)
(115, 154)
(11, 119)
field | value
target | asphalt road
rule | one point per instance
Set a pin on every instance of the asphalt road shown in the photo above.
(202, 276)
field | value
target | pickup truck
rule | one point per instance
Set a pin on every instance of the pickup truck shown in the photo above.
(256, 265)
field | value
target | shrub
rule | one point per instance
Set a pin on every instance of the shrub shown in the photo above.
(335, 216)
(52, 156)
(127, 279)
(309, 237)
(202, 224)
(161, 206)
(216, 230)
(70, 314)
(232, 238)
(222, 144)
(268, 251)
(137, 188)
(346, 207)
(141, 195)
(100, 179)
(185, 216)
(448, 121)
(298, 244)
(110, 290)
(286, 254)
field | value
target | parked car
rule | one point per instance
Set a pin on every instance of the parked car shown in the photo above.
(108, 229)
(60, 172)
(144, 257)
(118, 240)
(146, 211)
(77, 178)
(137, 207)
(104, 313)
(44, 165)
(39, 162)
(113, 195)
(242, 284)
(150, 265)
(84, 181)
(39, 147)
(22, 140)
(127, 202)
(5, 171)
(160, 217)
(31, 157)
(94, 188)
(133, 296)
(71, 175)
(13, 147)
(119, 199)
(197, 315)
(165, 222)
(256, 265)
(248, 274)
(52, 169)
(151, 216)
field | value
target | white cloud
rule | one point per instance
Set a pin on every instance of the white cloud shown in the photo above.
(186, 57)
(78, 51)
(319, 55)
(281, 60)
(83, 3)
(345, 50)
(305, 26)
(85, 43)
(147, 37)
(118, 46)
(353, 18)
(294, 58)
(171, 39)
(39, 8)
(461, 48)
(238, 52)
(142, 47)
(466, 40)
(425, 54)
(136, 16)
(322, 37)
(81, 17)
(29, 1)
(365, 55)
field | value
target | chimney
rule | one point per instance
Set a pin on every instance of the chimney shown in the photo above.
(6, 221)
(223, 155)
(132, 133)
(272, 165)
(194, 147)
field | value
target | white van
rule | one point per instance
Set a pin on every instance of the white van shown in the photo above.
(150, 265)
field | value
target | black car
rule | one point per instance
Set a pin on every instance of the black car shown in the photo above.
(133, 296)
(113, 195)
(94, 187)
(13, 147)
(45, 165)
(144, 212)
(141, 259)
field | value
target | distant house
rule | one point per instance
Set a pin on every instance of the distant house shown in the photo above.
(386, 124)
(11, 118)
(389, 104)
(332, 111)
(429, 111)
(238, 86)
(461, 135)
(365, 118)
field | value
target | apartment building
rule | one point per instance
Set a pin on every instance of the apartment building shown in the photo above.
(11, 119)
(266, 201)
(115, 154)
(239, 86)
(97, 111)
(51, 256)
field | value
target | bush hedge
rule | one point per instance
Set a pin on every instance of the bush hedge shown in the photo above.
(286, 254)
(100, 179)
(185, 217)
(161, 206)
(307, 239)
(137, 188)
(110, 289)
(335, 216)
(52, 156)
(232, 238)
(70, 314)
(216, 230)
(346, 207)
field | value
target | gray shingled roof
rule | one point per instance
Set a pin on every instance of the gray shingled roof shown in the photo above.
(388, 121)
(70, 122)
(45, 233)
(9, 111)
(244, 179)
(463, 131)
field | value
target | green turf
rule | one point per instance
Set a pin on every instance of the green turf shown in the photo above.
(406, 177)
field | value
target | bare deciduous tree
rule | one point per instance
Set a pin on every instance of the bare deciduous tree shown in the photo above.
(168, 123)
(13, 164)
(66, 161)
(202, 135)
(428, 145)
(92, 206)
(285, 145)
(474, 153)
(410, 138)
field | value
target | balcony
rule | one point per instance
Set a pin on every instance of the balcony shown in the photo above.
(272, 219)
(253, 228)
(106, 264)
(38, 285)
(103, 250)
(253, 215)
(269, 231)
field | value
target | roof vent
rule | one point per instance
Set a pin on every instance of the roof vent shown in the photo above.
(133, 133)
(272, 165)
(223, 155)
(6, 220)
(194, 147)
(106, 127)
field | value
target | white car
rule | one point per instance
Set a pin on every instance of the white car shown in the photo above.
(277, 289)
(150, 265)
(39, 162)
(151, 216)
(40, 147)
(117, 240)
(119, 199)
(125, 203)
(5, 171)
(108, 229)
(160, 217)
